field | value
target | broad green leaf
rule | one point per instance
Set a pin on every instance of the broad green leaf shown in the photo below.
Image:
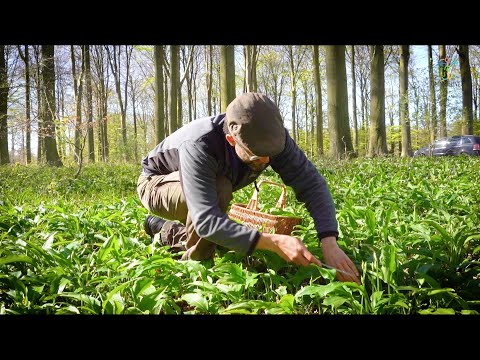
(15, 258)
(196, 300)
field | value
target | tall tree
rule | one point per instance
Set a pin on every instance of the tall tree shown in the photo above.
(404, 115)
(101, 86)
(158, 54)
(28, 122)
(174, 83)
(38, 93)
(251, 57)
(443, 91)
(48, 92)
(378, 135)
(209, 76)
(295, 56)
(337, 95)
(78, 91)
(354, 100)
(88, 78)
(186, 61)
(4, 88)
(227, 75)
(433, 100)
(466, 76)
(114, 59)
(318, 101)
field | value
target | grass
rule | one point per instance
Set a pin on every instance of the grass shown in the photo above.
(77, 246)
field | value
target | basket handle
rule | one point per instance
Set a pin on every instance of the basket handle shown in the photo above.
(253, 203)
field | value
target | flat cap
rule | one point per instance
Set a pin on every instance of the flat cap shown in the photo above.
(255, 121)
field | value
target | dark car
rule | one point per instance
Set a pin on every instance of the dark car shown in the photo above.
(452, 145)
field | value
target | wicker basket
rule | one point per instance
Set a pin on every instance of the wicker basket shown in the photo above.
(250, 216)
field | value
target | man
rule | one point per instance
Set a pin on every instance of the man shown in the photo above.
(190, 177)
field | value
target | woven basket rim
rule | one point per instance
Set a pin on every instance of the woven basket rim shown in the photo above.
(243, 208)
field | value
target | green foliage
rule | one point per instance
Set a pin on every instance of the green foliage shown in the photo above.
(78, 246)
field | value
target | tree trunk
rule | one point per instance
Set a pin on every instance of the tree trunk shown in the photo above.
(28, 124)
(159, 97)
(378, 136)
(174, 83)
(38, 85)
(104, 76)
(318, 101)
(251, 54)
(209, 77)
(433, 100)
(227, 76)
(293, 79)
(466, 76)
(443, 91)
(4, 88)
(354, 101)
(78, 91)
(88, 74)
(48, 82)
(133, 90)
(404, 115)
(338, 124)
(114, 60)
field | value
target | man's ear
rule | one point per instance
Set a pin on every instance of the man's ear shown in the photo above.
(230, 139)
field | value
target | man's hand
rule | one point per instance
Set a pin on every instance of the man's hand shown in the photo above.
(336, 257)
(287, 247)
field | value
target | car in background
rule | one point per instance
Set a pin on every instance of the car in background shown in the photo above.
(452, 146)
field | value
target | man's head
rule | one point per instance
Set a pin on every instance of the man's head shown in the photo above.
(255, 123)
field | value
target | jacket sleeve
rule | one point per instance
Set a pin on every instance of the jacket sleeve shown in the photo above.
(309, 186)
(198, 171)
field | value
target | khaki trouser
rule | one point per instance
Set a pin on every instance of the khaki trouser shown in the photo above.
(163, 196)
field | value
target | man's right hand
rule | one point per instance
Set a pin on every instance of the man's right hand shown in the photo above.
(287, 247)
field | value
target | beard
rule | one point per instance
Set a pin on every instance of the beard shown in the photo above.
(258, 167)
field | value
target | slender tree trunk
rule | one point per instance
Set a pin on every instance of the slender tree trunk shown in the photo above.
(4, 89)
(251, 67)
(293, 79)
(28, 122)
(38, 85)
(134, 109)
(115, 66)
(48, 80)
(227, 76)
(88, 74)
(179, 93)
(101, 97)
(318, 101)
(209, 77)
(466, 76)
(433, 100)
(337, 95)
(378, 136)
(390, 115)
(159, 96)
(443, 91)
(174, 82)
(78, 91)
(404, 115)
(305, 94)
(354, 101)
(166, 94)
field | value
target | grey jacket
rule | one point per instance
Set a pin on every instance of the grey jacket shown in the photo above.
(200, 152)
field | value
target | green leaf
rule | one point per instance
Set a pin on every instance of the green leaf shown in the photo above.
(196, 300)
(334, 301)
(15, 258)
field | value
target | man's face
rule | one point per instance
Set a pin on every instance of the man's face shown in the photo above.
(254, 162)
(258, 164)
